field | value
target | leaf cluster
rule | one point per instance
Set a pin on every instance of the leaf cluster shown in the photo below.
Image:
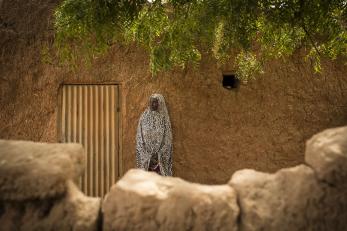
(178, 32)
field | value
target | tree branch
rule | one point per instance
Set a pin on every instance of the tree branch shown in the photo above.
(311, 39)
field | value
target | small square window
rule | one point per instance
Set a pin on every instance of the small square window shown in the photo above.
(230, 81)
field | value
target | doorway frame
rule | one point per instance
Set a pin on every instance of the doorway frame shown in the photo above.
(119, 110)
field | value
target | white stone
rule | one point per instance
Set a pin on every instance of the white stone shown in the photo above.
(291, 199)
(326, 153)
(146, 201)
(31, 170)
(73, 211)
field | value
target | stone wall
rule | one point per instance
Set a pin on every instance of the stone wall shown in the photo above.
(310, 196)
(263, 125)
(37, 189)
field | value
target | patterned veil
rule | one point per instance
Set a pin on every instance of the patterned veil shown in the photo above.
(154, 137)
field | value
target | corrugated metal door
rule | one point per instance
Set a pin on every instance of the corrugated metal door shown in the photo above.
(89, 114)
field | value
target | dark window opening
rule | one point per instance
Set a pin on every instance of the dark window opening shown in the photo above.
(230, 81)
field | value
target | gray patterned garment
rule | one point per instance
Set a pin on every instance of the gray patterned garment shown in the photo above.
(154, 139)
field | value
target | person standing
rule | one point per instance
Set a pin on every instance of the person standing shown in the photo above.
(154, 138)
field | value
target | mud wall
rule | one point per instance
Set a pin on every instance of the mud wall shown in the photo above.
(34, 196)
(263, 125)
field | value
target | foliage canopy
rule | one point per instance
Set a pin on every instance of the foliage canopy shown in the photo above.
(177, 32)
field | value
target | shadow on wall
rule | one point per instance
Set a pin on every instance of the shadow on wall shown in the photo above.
(37, 193)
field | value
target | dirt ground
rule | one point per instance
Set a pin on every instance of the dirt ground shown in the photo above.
(263, 125)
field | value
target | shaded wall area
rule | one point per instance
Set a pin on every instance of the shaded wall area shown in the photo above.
(263, 125)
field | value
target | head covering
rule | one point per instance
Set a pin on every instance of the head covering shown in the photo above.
(154, 138)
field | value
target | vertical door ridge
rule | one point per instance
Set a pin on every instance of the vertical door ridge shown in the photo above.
(88, 115)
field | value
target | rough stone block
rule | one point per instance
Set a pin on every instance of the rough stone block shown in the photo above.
(31, 170)
(291, 199)
(146, 201)
(326, 153)
(72, 211)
